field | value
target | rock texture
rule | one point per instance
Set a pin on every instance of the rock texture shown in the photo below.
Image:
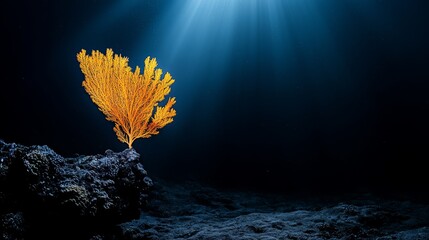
(110, 197)
(191, 211)
(41, 191)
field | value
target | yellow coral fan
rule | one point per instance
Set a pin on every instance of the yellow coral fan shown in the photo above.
(128, 98)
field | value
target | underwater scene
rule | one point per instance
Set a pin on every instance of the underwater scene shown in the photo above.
(214, 119)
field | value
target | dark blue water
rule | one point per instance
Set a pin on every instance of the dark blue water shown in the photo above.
(280, 94)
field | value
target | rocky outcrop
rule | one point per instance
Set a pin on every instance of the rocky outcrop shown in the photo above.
(41, 191)
(109, 197)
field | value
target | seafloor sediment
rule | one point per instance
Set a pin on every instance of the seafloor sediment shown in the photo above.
(110, 196)
(192, 211)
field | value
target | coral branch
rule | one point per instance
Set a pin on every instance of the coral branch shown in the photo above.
(125, 97)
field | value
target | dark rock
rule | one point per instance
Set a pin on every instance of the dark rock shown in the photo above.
(106, 197)
(86, 190)
(12, 226)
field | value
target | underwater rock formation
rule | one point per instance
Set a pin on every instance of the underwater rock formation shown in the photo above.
(41, 190)
(108, 197)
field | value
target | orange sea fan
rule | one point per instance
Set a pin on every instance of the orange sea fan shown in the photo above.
(128, 98)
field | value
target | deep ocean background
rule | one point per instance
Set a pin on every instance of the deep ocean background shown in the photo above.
(322, 95)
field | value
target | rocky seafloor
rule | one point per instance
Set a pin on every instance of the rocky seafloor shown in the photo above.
(46, 196)
(192, 211)
(110, 196)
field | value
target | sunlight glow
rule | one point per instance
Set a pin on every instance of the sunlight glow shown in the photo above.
(200, 41)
